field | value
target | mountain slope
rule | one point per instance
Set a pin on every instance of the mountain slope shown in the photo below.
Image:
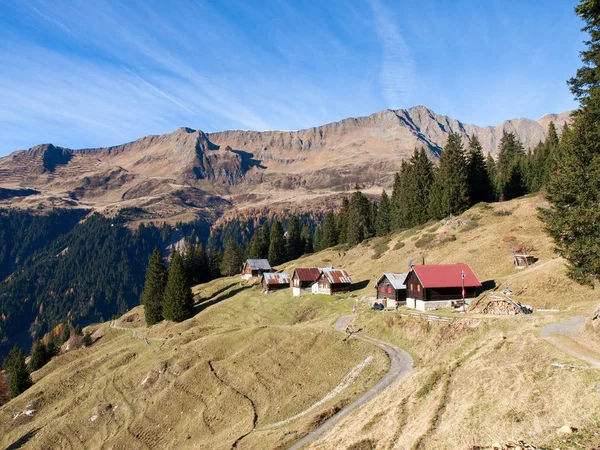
(189, 173)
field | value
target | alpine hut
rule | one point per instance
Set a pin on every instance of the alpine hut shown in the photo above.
(303, 278)
(255, 268)
(332, 281)
(431, 286)
(273, 281)
(391, 289)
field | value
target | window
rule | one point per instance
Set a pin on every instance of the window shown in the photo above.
(419, 287)
(390, 290)
(383, 289)
(411, 286)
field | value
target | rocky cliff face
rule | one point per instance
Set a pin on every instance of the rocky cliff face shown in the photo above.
(189, 170)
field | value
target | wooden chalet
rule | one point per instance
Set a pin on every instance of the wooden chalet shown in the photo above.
(523, 261)
(303, 278)
(391, 289)
(273, 281)
(431, 287)
(332, 281)
(255, 268)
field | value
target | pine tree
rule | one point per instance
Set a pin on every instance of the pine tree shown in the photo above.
(450, 190)
(510, 181)
(307, 240)
(265, 242)
(276, 244)
(330, 231)
(232, 258)
(295, 247)
(552, 138)
(481, 188)
(395, 206)
(78, 331)
(15, 368)
(66, 333)
(87, 339)
(214, 263)
(254, 247)
(574, 187)
(359, 218)
(416, 180)
(154, 288)
(178, 303)
(317, 239)
(383, 220)
(338, 229)
(490, 166)
(196, 265)
(39, 356)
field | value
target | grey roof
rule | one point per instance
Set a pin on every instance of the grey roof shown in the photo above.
(396, 279)
(258, 264)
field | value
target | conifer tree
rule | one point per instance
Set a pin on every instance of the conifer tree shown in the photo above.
(416, 180)
(307, 240)
(317, 239)
(196, 265)
(233, 256)
(154, 288)
(254, 247)
(15, 368)
(395, 206)
(66, 333)
(178, 304)
(490, 166)
(329, 238)
(450, 190)
(39, 356)
(481, 188)
(87, 339)
(338, 229)
(510, 181)
(214, 263)
(78, 331)
(265, 241)
(383, 220)
(359, 218)
(276, 244)
(573, 189)
(295, 247)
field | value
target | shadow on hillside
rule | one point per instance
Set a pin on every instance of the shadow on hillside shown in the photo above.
(358, 286)
(198, 308)
(214, 294)
(248, 161)
(23, 439)
(486, 286)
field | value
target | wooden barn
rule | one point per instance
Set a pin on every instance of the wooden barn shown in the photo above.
(431, 287)
(273, 281)
(332, 281)
(255, 268)
(391, 289)
(303, 278)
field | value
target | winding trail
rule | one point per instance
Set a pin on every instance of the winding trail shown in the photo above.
(400, 364)
(134, 333)
(570, 329)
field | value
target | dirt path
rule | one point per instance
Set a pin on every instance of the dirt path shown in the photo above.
(570, 329)
(134, 333)
(400, 364)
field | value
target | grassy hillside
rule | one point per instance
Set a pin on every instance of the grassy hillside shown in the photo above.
(247, 360)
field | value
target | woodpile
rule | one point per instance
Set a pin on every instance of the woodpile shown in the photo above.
(502, 306)
(511, 445)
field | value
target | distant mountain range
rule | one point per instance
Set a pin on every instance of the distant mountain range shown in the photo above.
(189, 173)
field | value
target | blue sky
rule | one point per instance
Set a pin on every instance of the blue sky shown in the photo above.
(93, 73)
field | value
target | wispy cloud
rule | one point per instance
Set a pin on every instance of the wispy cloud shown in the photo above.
(397, 67)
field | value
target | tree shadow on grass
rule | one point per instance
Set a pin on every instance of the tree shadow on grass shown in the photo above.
(19, 443)
(358, 286)
(214, 294)
(486, 286)
(199, 307)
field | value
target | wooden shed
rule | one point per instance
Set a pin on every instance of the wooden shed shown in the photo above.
(332, 281)
(303, 278)
(273, 281)
(390, 288)
(431, 287)
(255, 268)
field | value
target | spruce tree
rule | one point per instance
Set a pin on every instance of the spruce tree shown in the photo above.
(276, 244)
(383, 219)
(317, 239)
(66, 333)
(178, 301)
(450, 190)
(295, 247)
(154, 288)
(510, 182)
(254, 247)
(573, 219)
(87, 339)
(78, 331)
(15, 368)
(395, 206)
(481, 188)
(196, 265)
(337, 230)
(265, 241)
(416, 180)
(39, 356)
(307, 240)
(359, 218)
(329, 238)
(233, 256)
(490, 166)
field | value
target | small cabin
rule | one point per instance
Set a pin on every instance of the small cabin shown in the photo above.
(523, 261)
(273, 281)
(303, 278)
(432, 286)
(390, 288)
(332, 281)
(255, 268)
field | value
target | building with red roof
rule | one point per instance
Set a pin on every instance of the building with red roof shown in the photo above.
(303, 278)
(434, 286)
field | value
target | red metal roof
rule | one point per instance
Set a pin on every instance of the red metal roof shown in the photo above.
(337, 276)
(445, 275)
(276, 278)
(306, 274)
